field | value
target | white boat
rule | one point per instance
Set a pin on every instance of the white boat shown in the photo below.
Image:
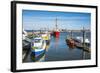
(80, 39)
(24, 33)
(38, 46)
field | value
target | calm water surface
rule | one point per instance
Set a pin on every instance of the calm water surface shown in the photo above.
(58, 50)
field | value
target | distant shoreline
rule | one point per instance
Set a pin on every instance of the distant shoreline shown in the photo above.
(60, 31)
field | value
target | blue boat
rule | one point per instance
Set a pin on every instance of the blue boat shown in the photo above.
(38, 46)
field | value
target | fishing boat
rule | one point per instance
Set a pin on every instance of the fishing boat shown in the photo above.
(38, 46)
(45, 36)
(79, 40)
(56, 32)
(82, 43)
(70, 42)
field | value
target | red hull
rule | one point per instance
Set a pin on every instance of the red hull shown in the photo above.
(70, 43)
(56, 33)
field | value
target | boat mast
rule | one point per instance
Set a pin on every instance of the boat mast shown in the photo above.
(83, 42)
(83, 37)
(56, 23)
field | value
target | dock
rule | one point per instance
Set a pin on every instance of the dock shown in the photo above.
(79, 43)
(83, 47)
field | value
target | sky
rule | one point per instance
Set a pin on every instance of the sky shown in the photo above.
(37, 20)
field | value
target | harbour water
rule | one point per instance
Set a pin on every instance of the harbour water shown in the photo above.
(58, 50)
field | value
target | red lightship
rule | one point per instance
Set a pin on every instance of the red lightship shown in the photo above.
(56, 32)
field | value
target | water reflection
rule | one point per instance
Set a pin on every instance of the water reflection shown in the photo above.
(57, 50)
(39, 58)
(47, 45)
(56, 39)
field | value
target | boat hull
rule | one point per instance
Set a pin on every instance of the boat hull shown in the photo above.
(70, 43)
(36, 53)
(37, 56)
(56, 33)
